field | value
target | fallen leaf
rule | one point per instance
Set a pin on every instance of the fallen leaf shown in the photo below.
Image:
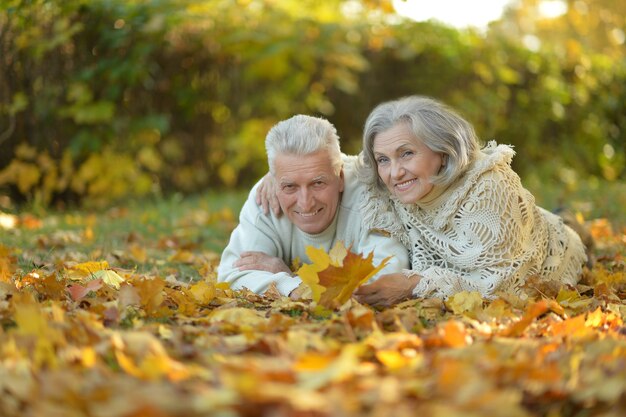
(109, 277)
(465, 302)
(333, 280)
(78, 292)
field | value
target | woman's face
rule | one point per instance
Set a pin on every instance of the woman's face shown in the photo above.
(405, 164)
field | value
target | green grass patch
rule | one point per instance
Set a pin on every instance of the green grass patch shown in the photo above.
(164, 236)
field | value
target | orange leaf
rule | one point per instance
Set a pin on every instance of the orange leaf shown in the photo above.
(574, 327)
(453, 334)
(340, 282)
(532, 312)
(333, 280)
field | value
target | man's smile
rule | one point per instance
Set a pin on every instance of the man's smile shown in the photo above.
(308, 214)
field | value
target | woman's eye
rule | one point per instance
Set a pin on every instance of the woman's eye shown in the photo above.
(381, 160)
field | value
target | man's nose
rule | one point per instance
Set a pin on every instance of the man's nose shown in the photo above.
(305, 200)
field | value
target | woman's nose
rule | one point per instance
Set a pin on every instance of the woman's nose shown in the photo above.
(397, 170)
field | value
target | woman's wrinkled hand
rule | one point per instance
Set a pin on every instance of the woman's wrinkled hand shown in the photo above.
(259, 261)
(266, 195)
(387, 290)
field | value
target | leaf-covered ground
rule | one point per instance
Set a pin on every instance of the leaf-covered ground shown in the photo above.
(118, 314)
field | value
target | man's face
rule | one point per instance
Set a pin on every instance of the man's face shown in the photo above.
(308, 189)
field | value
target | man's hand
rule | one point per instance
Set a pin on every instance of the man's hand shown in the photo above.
(302, 291)
(259, 261)
(387, 290)
(266, 195)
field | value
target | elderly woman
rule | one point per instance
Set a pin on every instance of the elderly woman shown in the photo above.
(462, 212)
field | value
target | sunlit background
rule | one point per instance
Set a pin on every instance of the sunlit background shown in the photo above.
(457, 13)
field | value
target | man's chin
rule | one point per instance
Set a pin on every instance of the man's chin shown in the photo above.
(310, 230)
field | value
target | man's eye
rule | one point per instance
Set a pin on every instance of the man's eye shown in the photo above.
(288, 188)
(407, 153)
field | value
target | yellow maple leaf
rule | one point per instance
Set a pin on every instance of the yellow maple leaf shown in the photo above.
(203, 292)
(86, 269)
(333, 277)
(465, 302)
(109, 277)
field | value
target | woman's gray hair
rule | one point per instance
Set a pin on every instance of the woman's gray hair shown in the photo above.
(303, 135)
(440, 128)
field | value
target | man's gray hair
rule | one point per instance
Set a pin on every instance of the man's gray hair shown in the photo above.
(303, 135)
(440, 128)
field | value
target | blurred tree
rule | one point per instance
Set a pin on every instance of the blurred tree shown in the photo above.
(587, 38)
(105, 99)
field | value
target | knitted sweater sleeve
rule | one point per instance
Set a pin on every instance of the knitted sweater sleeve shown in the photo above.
(487, 244)
(255, 232)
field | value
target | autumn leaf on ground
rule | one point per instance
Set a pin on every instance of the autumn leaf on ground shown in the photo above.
(83, 270)
(464, 302)
(7, 264)
(109, 277)
(202, 292)
(333, 278)
(532, 313)
(78, 292)
(95, 270)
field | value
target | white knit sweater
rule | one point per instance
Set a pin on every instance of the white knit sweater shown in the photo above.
(481, 233)
(278, 237)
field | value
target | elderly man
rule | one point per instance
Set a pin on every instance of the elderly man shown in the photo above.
(320, 199)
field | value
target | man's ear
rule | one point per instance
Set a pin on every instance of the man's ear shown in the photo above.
(341, 180)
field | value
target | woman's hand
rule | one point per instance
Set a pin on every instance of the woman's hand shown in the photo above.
(259, 261)
(387, 290)
(266, 195)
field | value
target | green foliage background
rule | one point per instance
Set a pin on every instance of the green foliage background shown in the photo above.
(101, 100)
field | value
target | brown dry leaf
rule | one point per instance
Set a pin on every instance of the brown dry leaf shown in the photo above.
(151, 295)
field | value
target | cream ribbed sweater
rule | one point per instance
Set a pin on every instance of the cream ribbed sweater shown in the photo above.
(481, 233)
